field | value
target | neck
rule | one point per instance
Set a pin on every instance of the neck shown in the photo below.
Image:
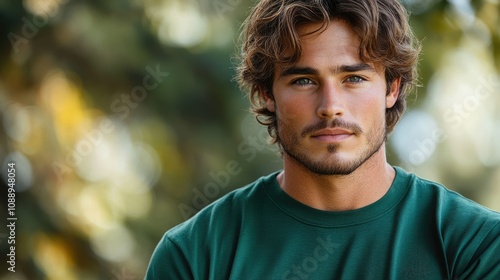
(367, 184)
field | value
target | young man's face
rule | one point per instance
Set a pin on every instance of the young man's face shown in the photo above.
(330, 105)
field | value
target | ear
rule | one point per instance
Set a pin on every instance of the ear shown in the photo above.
(392, 95)
(269, 100)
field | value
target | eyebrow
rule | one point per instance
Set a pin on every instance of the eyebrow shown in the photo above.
(299, 71)
(340, 69)
(353, 68)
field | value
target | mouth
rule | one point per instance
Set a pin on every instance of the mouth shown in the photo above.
(332, 135)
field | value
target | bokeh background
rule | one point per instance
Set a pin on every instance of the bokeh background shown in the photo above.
(124, 120)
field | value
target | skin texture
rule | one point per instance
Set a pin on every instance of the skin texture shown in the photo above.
(331, 122)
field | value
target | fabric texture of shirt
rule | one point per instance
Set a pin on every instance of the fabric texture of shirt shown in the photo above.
(417, 230)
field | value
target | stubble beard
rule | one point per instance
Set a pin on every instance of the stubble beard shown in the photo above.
(290, 144)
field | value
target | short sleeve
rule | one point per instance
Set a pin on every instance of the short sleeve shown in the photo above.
(486, 261)
(168, 262)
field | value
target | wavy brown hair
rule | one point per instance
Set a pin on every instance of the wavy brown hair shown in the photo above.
(270, 39)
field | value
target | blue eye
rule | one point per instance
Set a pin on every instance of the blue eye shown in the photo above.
(303, 82)
(355, 79)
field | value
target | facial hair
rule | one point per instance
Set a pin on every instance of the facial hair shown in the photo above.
(290, 142)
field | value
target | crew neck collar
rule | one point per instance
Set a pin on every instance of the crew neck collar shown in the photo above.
(312, 216)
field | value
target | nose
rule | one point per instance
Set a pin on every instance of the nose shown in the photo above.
(330, 102)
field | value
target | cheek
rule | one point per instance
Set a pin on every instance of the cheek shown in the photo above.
(293, 109)
(371, 111)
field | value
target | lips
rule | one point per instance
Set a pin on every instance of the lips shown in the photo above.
(332, 134)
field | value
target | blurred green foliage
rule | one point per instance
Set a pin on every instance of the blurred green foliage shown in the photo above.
(108, 159)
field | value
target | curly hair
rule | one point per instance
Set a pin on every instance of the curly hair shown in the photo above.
(270, 39)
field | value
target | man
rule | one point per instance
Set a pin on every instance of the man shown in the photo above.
(329, 79)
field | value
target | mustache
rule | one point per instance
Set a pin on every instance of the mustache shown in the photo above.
(335, 123)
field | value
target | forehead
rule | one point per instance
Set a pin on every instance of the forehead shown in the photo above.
(328, 47)
(335, 29)
(337, 40)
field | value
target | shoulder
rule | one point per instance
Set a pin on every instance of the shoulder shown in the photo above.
(448, 204)
(457, 218)
(215, 218)
(191, 249)
(453, 206)
(469, 232)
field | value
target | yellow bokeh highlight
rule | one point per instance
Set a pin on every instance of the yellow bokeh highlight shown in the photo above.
(65, 103)
(53, 257)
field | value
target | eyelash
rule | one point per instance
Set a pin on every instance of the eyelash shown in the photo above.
(296, 82)
(310, 82)
(361, 79)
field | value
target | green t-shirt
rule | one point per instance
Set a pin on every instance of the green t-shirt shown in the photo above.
(418, 230)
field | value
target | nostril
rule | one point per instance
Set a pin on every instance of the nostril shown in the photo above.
(330, 110)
